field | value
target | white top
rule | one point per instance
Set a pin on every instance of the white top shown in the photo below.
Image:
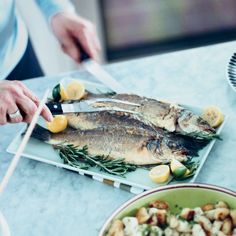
(13, 32)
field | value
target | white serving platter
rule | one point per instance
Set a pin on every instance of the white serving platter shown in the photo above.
(135, 182)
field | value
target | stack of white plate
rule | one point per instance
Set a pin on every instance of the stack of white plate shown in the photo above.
(231, 72)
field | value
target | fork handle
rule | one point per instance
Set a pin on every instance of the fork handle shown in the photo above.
(55, 108)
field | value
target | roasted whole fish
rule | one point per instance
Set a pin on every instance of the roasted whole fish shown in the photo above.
(122, 136)
(115, 120)
(135, 145)
(153, 113)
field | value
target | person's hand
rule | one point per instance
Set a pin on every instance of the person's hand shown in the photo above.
(18, 103)
(70, 29)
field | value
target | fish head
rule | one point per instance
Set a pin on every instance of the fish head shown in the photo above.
(191, 123)
(166, 149)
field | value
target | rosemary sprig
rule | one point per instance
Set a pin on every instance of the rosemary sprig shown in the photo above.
(80, 158)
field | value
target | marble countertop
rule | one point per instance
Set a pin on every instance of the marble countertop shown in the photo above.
(44, 200)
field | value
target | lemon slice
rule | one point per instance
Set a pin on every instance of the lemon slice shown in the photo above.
(63, 93)
(213, 116)
(187, 173)
(75, 90)
(59, 93)
(160, 174)
(58, 124)
(178, 169)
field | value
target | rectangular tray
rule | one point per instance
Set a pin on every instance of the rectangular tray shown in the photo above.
(135, 182)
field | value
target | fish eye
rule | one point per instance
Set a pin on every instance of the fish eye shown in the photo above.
(154, 146)
(171, 144)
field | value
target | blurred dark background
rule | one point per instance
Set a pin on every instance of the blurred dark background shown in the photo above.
(137, 27)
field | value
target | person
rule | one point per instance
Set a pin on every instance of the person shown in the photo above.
(18, 60)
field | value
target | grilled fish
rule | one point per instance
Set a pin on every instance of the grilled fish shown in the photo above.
(135, 145)
(168, 116)
(111, 120)
(158, 114)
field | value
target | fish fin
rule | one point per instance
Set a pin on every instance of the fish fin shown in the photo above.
(40, 133)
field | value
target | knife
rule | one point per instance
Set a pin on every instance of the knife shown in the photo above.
(99, 73)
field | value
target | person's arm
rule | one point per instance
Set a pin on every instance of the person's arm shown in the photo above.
(70, 29)
(18, 103)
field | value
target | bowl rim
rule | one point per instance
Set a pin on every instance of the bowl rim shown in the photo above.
(158, 189)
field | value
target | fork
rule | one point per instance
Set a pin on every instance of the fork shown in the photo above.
(90, 106)
(97, 100)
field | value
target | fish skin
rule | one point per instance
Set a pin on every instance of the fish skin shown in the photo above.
(92, 120)
(160, 114)
(171, 117)
(134, 145)
(111, 120)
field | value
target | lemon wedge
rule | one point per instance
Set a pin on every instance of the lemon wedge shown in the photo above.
(178, 169)
(75, 90)
(160, 174)
(63, 93)
(59, 93)
(213, 116)
(58, 124)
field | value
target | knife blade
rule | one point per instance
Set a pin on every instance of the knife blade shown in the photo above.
(99, 73)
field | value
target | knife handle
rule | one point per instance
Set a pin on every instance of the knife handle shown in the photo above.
(55, 108)
(83, 55)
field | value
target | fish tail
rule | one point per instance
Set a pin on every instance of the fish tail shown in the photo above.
(40, 133)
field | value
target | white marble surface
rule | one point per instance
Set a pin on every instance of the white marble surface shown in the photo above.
(45, 200)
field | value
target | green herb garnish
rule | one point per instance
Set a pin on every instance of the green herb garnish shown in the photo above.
(80, 158)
